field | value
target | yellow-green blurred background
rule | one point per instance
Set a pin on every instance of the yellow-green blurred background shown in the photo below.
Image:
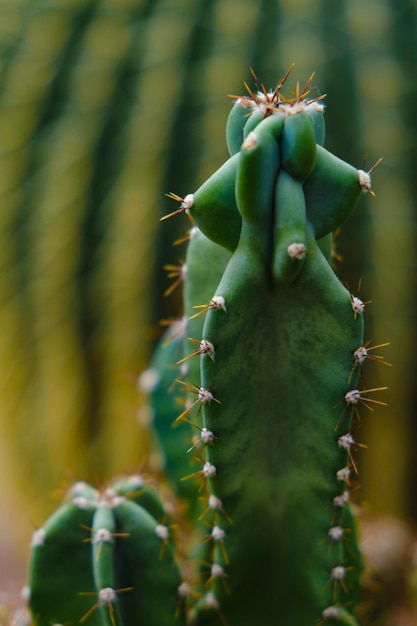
(105, 105)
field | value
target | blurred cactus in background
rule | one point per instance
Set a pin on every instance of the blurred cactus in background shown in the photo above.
(104, 107)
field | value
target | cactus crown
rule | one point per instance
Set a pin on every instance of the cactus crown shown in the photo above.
(269, 102)
(267, 363)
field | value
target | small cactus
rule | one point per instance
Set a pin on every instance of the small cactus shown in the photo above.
(255, 393)
(104, 557)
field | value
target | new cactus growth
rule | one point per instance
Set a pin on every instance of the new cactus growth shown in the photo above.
(267, 362)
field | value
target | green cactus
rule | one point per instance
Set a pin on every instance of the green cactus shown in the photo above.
(103, 556)
(263, 379)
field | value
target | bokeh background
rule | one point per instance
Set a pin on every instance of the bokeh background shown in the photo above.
(105, 105)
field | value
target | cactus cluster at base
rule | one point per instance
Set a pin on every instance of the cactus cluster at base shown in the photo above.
(255, 394)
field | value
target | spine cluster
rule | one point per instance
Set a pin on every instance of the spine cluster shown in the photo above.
(338, 534)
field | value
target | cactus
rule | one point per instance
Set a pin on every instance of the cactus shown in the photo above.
(268, 364)
(96, 550)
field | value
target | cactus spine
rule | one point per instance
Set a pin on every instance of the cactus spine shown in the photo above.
(271, 383)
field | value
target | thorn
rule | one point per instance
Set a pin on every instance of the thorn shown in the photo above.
(361, 354)
(206, 436)
(306, 89)
(206, 347)
(204, 396)
(217, 573)
(283, 80)
(178, 328)
(107, 596)
(187, 237)
(215, 505)
(185, 206)
(365, 177)
(218, 535)
(347, 442)
(338, 577)
(250, 92)
(217, 302)
(358, 306)
(175, 271)
(355, 396)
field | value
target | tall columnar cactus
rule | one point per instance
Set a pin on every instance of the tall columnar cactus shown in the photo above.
(267, 363)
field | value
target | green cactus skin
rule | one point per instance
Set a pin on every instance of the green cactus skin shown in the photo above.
(103, 559)
(261, 380)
